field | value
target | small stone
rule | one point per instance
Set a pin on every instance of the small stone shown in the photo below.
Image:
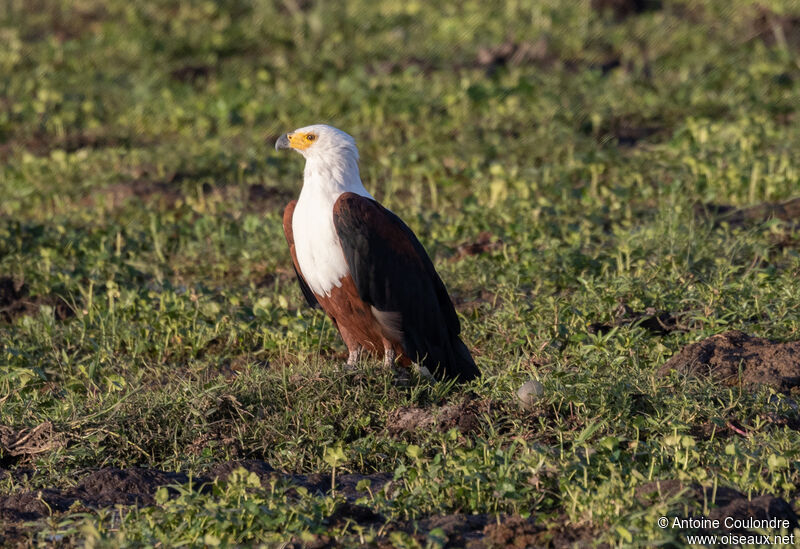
(529, 393)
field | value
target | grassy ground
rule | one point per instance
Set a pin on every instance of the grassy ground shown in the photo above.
(550, 158)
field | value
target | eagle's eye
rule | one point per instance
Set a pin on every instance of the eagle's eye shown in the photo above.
(310, 137)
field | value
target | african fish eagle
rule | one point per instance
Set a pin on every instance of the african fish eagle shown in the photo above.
(364, 266)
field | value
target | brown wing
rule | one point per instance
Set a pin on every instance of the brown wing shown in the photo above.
(288, 213)
(393, 273)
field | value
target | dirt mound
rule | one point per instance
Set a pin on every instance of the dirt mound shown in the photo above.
(459, 530)
(409, 418)
(734, 504)
(262, 470)
(112, 486)
(515, 531)
(734, 358)
(346, 484)
(514, 53)
(349, 512)
(489, 531)
(102, 488)
(464, 415)
(33, 505)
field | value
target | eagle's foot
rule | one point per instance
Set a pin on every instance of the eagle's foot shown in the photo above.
(352, 360)
(424, 373)
(402, 376)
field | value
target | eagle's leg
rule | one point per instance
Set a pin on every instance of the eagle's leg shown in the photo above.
(354, 348)
(400, 375)
(354, 356)
(389, 356)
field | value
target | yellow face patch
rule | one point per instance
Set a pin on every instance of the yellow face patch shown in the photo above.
(301, 141)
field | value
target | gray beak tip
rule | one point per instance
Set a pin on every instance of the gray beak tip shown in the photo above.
(282, 142)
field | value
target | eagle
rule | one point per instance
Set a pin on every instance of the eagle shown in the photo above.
(364, 267)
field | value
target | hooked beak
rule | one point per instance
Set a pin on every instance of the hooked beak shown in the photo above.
(283, 142)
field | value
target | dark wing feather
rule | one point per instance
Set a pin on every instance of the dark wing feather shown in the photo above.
(393, 273)
(289, 233)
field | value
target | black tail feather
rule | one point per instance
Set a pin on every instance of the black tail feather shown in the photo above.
(463, 367)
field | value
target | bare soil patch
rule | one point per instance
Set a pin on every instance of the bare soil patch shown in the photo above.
(464, 415)
(102, 488)
(15, 301)
(33, 505)
(63, 24)
(626, 131)
(346, 483)
(134, 486)
(193, 73)
(491, 58)
(490, 532)
(469, 304)
(409, 418)
(111, 486)
(621, 9)
(169, 193)
(781, 30)
(735, 358)
(262, 469)
(788, 211)
(484, 243)
(660, 490)
(42, 144)
(350, 512)
(734, 504)
(651, 319)
(515, 531)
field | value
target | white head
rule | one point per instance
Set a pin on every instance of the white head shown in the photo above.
(319, 142)
(331, 157)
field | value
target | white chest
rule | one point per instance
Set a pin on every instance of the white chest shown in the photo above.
(318, 248)
(319, 251)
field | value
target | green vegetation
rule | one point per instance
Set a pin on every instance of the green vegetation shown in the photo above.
(149, 312)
